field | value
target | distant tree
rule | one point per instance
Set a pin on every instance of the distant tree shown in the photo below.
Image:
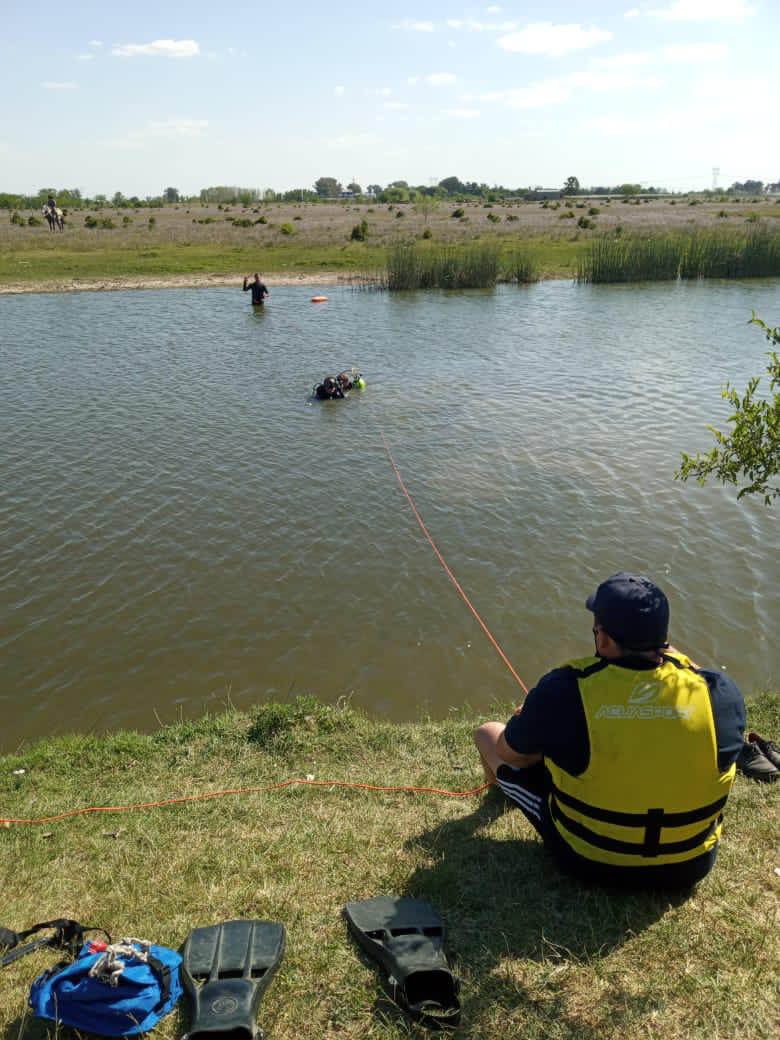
(747, 187)
(452, 186)
(425, 205)
(628, 189)
(355, 188)
(750, 452)
(327, 187)
(374, 189)
(171, 195)
(571, 186)
(398, 184)
(117, 199)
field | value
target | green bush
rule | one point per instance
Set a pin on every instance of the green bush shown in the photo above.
(261, 220)
(241, 222)
(359, 232)
(586, 222)
(399, 213)
(594, 211)
(493, 218)
(427, 233)
(90, 221)
(287, 229)
(34, 221)
(458, 213)
(17, 219)
(126, 220)
(107, 224)
(568, 215)
(152, 223)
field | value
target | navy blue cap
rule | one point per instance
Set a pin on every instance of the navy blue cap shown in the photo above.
(633, 610)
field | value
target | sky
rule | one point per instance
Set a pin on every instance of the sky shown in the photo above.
(140, 97)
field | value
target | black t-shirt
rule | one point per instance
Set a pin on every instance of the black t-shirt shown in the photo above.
(259, 291)
(553, 719)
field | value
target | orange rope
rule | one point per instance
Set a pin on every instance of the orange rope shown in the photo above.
(206, 795)
(450, 575)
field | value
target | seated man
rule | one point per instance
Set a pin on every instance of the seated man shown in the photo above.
(623, 761)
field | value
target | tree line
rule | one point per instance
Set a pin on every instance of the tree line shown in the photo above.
(329, 188)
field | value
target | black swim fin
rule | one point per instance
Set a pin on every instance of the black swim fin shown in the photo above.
(406, 937)
(226, 970)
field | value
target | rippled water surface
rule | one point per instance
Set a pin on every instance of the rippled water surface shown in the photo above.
(181, 527)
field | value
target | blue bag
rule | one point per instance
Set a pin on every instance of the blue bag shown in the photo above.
(117, 990)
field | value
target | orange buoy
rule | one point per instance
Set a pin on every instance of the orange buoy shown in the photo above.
(319, 299)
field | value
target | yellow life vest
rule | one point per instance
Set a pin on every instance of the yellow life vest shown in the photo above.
(652, 792)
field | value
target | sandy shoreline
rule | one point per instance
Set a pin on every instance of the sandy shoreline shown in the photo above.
(172, 281)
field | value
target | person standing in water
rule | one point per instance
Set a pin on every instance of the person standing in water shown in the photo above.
(258, 289)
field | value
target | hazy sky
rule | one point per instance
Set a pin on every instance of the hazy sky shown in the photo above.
(156, 94)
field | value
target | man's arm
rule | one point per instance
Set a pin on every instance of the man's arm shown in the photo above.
(245, 284)
(516, 758)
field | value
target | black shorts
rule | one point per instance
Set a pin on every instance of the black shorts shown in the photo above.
(529, 790)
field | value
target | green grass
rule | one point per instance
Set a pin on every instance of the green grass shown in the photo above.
(540, 956)
(59, 259)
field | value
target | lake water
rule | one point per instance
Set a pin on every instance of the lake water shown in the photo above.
(181, 527)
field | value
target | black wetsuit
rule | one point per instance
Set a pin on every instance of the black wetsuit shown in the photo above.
(324, 393)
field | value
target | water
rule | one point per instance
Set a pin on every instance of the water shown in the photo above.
(181, 528)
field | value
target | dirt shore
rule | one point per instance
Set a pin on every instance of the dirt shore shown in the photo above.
(173, 281)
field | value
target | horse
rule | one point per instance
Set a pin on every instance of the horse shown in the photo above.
(55, 218)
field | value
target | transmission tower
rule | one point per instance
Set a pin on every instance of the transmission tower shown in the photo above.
(715, 175)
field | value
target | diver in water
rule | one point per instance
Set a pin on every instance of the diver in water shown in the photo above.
(351, 380)
(329, 389)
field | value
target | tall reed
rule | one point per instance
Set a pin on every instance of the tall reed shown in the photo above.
(520, 267)
(419, 266)
(700, 254)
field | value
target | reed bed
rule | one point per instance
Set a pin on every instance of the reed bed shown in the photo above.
(699, 254)
(435, 267)
(521, 267)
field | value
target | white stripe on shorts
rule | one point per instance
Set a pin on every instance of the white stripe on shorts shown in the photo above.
(532, 803)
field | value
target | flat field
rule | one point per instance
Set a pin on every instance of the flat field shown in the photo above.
(207, 244)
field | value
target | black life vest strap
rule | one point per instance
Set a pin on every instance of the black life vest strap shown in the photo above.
(650, 818)
(650, 847)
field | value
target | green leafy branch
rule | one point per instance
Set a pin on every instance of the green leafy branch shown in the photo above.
(749, 454)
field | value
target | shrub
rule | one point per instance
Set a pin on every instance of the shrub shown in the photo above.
(594, 211)
(261, 220)
(241, 222)
(493, 218)
(511, 216)
(568, 215)
(17, 219)
(722, 213)
(297, 217)
(33, 221)
(585, 222)
(126, 220)
(287, 229)
(399, 213)
(752, 218)
(107, 224)
(427, 233)
(458, 213)
(152, 223)
(359, 232)
(90, 221)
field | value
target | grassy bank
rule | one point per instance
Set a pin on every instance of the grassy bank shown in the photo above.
(539, 955)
